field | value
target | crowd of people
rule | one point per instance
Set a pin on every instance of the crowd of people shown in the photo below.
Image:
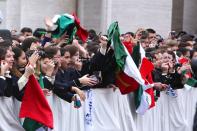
(84, 74)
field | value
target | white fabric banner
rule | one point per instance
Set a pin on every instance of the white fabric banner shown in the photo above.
(8, 118)
(170, 114)
(112, 113)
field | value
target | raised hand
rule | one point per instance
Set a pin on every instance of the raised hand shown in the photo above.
(79, 92)
(29, 70)
(103, 40)
(164, 67)
(50, 68)
(4, 67)
(34, 58)
(183, 68)
(48, 22)
(159, 86)
(47, 92)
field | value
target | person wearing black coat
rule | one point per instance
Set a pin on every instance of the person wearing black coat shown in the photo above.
(7, 92)
(101, 67)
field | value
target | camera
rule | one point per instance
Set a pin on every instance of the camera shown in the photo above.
(41, 53)
(55, 62)
(96, 77)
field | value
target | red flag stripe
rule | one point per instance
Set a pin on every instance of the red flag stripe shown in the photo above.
(34, 104)
(145, 70)
(125, 83)
(81, 32)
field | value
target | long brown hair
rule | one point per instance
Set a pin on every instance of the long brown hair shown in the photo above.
(17, 53)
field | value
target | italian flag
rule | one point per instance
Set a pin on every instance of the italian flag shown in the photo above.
(69, 25)
(129, 77)
(144, 100)
(35, 107)
(125, 63)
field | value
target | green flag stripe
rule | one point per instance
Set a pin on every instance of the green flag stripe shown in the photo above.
(31, 125)
(41, 82)
(64, 23)
(191, 82)
(137, 58)
(138, 95)
(114, 37)
(136, 54)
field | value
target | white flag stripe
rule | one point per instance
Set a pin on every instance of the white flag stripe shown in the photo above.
(132, 70)
(144, 104)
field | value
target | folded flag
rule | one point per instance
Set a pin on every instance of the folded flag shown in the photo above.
(69, 25)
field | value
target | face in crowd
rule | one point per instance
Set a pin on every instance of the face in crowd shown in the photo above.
(157, 59)
(44, 64)
(65, 60)
(152, 37)
(128, 38)
(9, 58)
(27, 34)
(75, 57)
(167, 58)
(57, 58)
(21, 61)
(145, 43)
(75, 61)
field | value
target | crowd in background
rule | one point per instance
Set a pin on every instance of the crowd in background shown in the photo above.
(69, 69)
